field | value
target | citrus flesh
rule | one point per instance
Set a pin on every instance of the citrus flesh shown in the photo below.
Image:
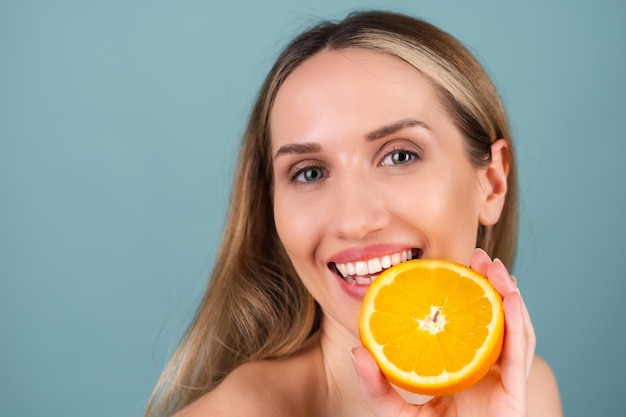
(434, 327)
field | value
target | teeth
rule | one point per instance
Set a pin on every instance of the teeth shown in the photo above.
(395, 259)
(363, 280)
(361, 268)
(374, 265)
(357, 271)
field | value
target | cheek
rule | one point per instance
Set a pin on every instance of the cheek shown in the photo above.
(446, 211)
(281, 216)
(298, 230)
(443, 193)
(463, 220)
(294, 226)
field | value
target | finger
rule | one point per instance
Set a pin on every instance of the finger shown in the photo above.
(515, 351)
(500, 278)
(377, 393)
(480, 261)
(531, 338)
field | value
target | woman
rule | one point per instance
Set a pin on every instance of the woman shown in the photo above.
(378, 136)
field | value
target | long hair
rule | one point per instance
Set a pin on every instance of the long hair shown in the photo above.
(255, 306)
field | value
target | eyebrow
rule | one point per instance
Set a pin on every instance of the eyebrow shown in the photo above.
(298, 148)
(394, 127)
(390, 129)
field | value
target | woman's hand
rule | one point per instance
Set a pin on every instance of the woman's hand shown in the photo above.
(502, 392)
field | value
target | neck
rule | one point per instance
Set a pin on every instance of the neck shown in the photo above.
(343, 394)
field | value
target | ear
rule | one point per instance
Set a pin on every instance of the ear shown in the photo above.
(493, 181)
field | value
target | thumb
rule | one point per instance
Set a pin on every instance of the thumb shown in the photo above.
(377, 393)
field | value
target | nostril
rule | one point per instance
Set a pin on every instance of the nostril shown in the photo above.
(356, 225)
(359, 211)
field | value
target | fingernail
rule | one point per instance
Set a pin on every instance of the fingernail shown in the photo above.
(354, 362)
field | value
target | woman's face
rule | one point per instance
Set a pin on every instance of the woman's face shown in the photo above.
(369, 170)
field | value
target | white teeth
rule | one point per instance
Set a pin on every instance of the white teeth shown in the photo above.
(395, 259)
(362, 280)
(361, 268)
(357, 271)
(374, 265)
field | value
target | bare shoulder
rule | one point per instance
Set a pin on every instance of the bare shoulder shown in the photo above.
(247, 391)
(543, 391)
(262, 389)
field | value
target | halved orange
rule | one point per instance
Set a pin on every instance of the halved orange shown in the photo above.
(434, 327)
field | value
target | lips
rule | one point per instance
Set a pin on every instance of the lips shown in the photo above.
(365, 271)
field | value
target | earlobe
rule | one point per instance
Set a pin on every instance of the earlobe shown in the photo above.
(494, 183)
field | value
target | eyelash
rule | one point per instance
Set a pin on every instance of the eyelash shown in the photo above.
(413, 155)
(293, 178)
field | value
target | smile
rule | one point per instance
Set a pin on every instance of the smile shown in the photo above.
(364, 272)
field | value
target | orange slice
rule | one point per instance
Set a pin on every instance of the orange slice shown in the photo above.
(434, 327)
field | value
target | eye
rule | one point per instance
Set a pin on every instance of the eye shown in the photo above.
(308, 174)
(399, 157)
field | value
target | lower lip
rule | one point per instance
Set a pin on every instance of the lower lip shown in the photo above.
(354, 290)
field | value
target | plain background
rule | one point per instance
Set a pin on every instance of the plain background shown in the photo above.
(119, 125)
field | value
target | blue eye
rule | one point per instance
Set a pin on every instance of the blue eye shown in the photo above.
(308, 174)
(399, 157)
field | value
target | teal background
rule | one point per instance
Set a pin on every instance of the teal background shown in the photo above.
(119, 124)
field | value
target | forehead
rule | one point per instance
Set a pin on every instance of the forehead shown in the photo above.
(347, 90)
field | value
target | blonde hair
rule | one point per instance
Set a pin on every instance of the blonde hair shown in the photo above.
(255, 306)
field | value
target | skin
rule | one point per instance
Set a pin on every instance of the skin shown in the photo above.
(367, 162)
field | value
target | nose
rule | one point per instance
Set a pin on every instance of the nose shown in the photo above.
(359, 209)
